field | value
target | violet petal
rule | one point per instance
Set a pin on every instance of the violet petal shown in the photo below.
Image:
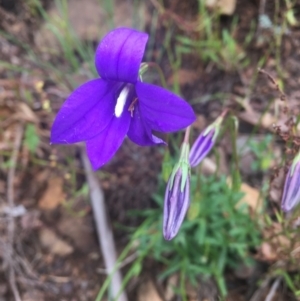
(176, 205)
(85, 113)
(201, 148)
(291, 191)
(119, 55)
(163, 110)
(102, 148)
(139, 132)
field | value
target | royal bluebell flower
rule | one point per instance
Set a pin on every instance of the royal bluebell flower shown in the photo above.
(103, 111)
(205, 142)
(177, 196)
(291, 190)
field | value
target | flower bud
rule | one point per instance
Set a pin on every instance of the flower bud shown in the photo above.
(291, 190)
(177, 196)
(205, 142)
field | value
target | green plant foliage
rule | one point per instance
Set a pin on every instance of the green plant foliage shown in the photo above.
(223, 50)
(215, 44)
(32, 139)
(263, 152)
(216, 234)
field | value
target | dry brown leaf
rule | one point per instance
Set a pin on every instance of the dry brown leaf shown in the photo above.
(148, 292)
(226, 7)
(277, 245)
(7, 94)
(209, 166)
(255, 118)
(171, 284)
(53, 195)
(268, 252)
(274, 234)
(79, 230)
(53, 243)
(251, 197)
(183, 77)
(268, 120)
(25, 113)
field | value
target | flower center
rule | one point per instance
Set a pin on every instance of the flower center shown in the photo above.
(121, 101)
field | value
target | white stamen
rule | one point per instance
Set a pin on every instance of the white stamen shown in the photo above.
(121, 101)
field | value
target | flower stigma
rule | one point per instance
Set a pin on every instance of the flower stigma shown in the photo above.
(121, 101)
(131, 107)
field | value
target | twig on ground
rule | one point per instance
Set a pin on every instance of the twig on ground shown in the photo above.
(11, 204)
(262, 6)
(273, 289)
(261, 17)
(105, 234)
(257, 295)
(126, 261)
(272, 79)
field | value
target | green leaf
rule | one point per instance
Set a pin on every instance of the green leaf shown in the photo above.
(32, 139)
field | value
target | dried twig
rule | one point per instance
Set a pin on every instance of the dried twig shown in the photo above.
(11, 204)
(272, 79)
(273, 290)
(261, 16)
(105, 234)
(257, 295)
(262, 6)
(126, 261)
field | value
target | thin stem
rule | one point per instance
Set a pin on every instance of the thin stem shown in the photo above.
(273, 290)
(224, 113)
(159, 70)
(104, 231)
(11, 204)
(187, 135)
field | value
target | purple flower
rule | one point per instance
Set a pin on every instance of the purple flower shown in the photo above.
(177, 196)
(103, 111)
(291, 191)
(205, 142)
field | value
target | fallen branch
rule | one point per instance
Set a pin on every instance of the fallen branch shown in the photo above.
(11, 204)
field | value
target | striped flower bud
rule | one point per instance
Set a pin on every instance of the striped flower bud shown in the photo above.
(205, 142)
(177, 196)
(291, 190)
